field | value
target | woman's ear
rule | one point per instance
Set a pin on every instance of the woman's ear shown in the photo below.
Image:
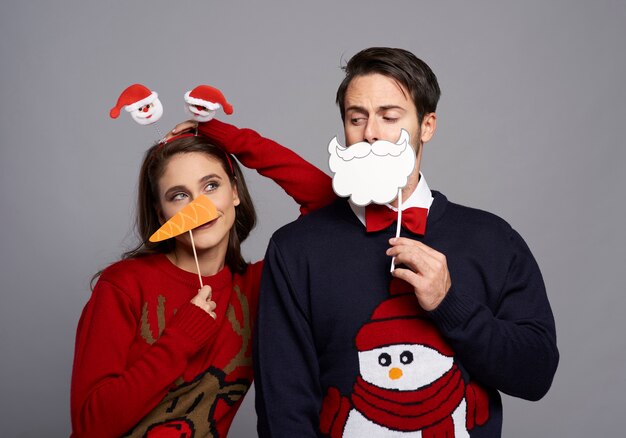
(236, 200)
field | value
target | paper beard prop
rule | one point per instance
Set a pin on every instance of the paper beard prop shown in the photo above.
(143, 105)
(371, 172)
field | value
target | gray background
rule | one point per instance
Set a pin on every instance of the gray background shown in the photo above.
(530, 127)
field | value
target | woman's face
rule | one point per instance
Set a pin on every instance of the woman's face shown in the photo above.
(188, 175)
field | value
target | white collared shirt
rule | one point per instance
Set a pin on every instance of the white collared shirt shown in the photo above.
(421, 197)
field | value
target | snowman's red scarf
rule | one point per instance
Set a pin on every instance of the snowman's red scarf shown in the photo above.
(428, 409)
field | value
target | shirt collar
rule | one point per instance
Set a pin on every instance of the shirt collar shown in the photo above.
(421, 197)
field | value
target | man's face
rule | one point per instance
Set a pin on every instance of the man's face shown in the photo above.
(376, 108)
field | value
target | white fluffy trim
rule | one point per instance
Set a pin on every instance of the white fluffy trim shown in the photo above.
(146, 101)
(206, 103)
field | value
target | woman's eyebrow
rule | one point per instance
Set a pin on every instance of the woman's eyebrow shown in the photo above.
(210, 176)
(175, 189)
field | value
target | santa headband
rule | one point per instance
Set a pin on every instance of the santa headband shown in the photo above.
(145, 107)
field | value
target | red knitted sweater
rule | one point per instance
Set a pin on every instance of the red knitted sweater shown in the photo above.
(148, 362)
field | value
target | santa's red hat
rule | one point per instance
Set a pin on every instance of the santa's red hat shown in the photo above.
(133, 98)
(209, 97)
(400, 320)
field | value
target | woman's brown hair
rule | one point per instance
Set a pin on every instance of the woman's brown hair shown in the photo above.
(147, 220)
(147, 217)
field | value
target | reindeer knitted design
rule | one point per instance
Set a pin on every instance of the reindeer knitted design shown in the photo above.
(191, 409)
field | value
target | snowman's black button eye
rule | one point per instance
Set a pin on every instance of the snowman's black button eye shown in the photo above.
(406, 357)
(384, 359)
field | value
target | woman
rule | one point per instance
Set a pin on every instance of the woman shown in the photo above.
(155, 355)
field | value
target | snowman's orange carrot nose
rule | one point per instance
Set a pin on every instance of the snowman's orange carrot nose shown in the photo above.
(198, 212)
(395, 373)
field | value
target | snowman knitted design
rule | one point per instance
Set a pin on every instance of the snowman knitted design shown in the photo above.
(409, 383)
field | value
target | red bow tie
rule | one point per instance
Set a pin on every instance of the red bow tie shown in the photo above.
(378, 217)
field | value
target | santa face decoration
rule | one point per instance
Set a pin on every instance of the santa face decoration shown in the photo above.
(143, 105)
(203, 102)
(371, 172)
(148, 113)
(201, 113)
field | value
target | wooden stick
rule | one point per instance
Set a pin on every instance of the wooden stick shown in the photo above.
(195, 256)
(399, 223)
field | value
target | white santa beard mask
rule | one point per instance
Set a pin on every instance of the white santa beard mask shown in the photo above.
(371, 172)
(426, 366)
(148, 117)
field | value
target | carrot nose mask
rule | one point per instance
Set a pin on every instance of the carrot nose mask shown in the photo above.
(198, 212)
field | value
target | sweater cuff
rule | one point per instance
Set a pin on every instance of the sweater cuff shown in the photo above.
(221, 133)
(195, 324)
(453, 311)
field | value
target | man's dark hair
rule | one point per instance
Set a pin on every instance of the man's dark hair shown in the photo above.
(400, 65)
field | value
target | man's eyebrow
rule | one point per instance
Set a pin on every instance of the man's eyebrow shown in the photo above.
(390, 107)
(360, 109)
(357, 108)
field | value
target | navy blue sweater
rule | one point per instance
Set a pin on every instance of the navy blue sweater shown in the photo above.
(324, 276)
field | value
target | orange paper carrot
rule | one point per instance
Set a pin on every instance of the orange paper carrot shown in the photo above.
(198, 212)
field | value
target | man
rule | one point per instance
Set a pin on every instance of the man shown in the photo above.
(346, 348)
